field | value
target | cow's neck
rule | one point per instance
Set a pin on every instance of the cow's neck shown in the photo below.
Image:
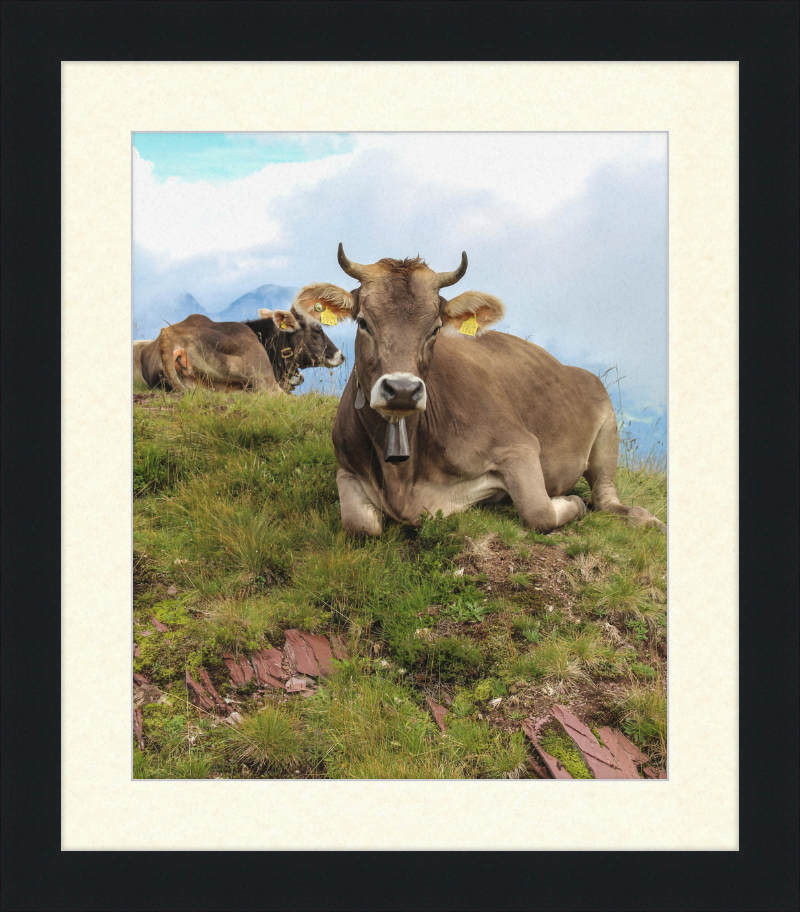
(377, 428)
(281, 355)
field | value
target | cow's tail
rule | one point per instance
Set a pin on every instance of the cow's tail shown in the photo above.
(167, 360)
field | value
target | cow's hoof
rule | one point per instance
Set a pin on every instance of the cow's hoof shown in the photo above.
(582, 505)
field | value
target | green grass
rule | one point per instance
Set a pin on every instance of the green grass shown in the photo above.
(268, 741)
(236, 507)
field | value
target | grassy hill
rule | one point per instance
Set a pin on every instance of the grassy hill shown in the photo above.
(237, 538)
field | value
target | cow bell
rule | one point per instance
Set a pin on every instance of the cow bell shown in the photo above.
(396, 449)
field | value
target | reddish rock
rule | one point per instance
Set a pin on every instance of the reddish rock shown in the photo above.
(650, 773)
(138, 727)
(146, 633)
(554, 766)
(540, 771)
(236, 673)
(261, 663)
(628, 746)
(172, 590)
(322, 651)
(246, 668)
(158, 625)
(136, 652)
(220, 704)
(197, 694)
(140, 679)
(275, 663)
(599, 761)
(299, 654)
(613, 741)
(438, 713)
(296, 684)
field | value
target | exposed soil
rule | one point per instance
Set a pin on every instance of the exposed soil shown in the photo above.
(546, 565)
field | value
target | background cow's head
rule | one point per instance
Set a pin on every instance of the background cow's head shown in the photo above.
(399, 311)
(294, 342)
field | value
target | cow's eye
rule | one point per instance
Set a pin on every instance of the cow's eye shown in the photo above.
(434, 333)
(362, 324)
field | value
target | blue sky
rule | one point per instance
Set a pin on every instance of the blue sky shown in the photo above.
(219, 157)
(568, 229)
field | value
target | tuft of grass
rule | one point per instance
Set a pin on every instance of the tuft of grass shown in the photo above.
(527, 627)
(642, 711)
(369, 728)
(623, 593)
(519, 580)
(268, 741)
(453, 658)
(558, 664)
(509, 760)
(154, 469)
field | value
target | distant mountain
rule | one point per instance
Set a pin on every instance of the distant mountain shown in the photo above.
(189, 303)
(273, 297)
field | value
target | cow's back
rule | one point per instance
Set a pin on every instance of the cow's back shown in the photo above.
(499, 377)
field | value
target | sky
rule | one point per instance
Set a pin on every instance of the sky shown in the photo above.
(568, 229)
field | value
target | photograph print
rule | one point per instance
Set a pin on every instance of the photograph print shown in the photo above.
(399, 455)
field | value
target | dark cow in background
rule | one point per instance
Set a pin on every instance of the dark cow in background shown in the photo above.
(434, 420)
(293, 342)
(264, 354)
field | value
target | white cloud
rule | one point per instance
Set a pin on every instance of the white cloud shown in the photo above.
(177, 219)
(536, 172)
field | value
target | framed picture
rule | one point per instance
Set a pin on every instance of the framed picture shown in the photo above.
(486, 79)
(697, 103)
(449, 552)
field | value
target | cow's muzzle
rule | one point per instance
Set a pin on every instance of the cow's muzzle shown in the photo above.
(397, 395)
(335, 361)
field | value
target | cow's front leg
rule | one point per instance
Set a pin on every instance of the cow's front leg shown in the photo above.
(524, 481)
(359, 513)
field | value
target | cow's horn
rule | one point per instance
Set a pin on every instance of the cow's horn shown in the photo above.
(450, 278)
(354, 270)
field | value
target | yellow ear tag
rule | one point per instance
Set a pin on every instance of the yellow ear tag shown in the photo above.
(284, 325)
(328, 317)
(469, 327)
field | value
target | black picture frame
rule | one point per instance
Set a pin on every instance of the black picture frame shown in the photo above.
(763, 37)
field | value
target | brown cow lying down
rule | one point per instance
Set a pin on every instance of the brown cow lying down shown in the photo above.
(264, 354)
(486, 418)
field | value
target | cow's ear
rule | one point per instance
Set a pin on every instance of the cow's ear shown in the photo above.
(472, 313)
(314, 300)
(285, 320)
(264, 314)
